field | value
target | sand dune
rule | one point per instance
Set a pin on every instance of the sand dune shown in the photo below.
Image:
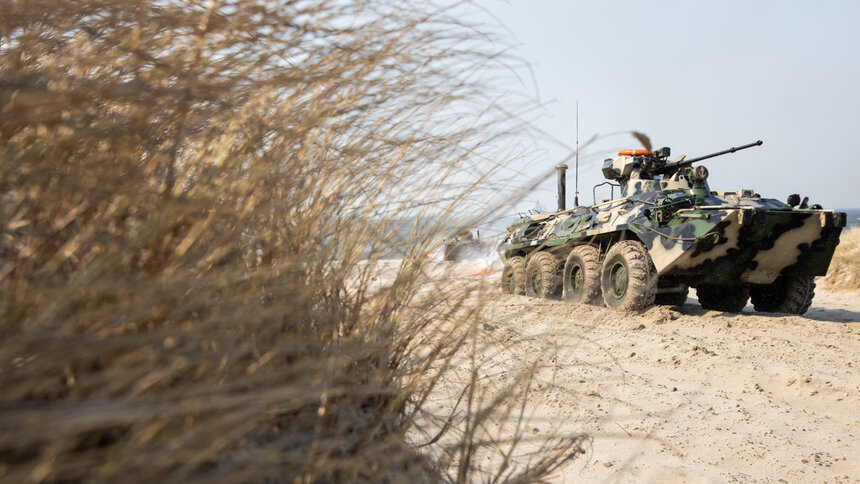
(682, 394)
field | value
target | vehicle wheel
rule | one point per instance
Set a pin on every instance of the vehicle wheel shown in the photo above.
(543, 276)
(792, 295)
(514, 276)
(628, 278)
(731, 299)
(581, 276)
(673, 298)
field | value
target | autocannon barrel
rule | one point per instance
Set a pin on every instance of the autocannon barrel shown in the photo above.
(659, 166)
(719, 153)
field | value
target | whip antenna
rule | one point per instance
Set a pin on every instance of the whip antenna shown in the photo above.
(576, 170)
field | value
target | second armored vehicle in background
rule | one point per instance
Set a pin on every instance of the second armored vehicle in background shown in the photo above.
(463, 245)
(668, 232)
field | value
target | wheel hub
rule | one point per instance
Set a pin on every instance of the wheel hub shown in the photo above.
(618, 280)
(577, 278)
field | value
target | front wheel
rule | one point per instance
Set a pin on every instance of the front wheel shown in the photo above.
(627, 279)
(790, 294)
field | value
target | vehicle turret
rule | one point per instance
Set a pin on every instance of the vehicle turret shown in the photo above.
(633, 165)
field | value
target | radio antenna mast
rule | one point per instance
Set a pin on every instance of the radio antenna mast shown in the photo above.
(576, 170)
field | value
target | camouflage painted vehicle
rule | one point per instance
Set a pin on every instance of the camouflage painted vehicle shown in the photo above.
(463, 245)
(668, 232)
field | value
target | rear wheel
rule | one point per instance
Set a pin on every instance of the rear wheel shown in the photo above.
(514, 276)
(791, 294)
(627, 278)
(731, 299)
(581, 277)
(543, 276)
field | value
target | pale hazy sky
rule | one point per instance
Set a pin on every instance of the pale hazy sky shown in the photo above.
(700, 77)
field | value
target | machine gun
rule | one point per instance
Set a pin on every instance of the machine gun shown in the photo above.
(657, 164)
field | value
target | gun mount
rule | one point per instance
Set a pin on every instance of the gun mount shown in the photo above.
(646, 165)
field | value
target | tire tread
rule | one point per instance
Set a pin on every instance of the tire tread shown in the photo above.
(549, 268)
(642, 276)
(589, 256)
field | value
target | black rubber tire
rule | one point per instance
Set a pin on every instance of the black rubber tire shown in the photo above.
(730, 299)
(628, 279)
(791, 295)
(581, 276)
(514, 276)
(674, 298)
(543, 276)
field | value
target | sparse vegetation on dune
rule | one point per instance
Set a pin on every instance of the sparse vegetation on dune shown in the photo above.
(185, 191)
(844, 272)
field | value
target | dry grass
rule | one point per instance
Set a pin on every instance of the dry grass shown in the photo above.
(844, 272)
(189, 193)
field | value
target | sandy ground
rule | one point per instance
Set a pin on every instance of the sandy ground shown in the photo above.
(682, 394)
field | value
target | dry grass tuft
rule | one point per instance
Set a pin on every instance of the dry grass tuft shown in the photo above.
(193, 197)
(643, 139)
(844, 272)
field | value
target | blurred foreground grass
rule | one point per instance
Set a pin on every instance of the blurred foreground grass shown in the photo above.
(191, 195)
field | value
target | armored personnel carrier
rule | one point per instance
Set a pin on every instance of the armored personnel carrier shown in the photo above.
(667, 232)
(463, 245)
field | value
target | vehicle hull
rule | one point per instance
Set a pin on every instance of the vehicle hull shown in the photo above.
(742, 245)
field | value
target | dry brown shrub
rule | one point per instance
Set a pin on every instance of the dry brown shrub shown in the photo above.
(844, 271)
(192, 199)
